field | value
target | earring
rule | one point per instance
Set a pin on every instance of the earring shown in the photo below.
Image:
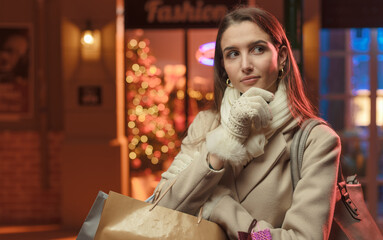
(280, 74)
(228, 83)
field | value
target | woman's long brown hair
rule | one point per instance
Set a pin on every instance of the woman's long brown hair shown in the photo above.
(299, 104)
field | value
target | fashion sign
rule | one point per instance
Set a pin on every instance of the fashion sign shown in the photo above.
(176, 14)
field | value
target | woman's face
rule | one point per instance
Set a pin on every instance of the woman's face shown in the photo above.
(249, 57)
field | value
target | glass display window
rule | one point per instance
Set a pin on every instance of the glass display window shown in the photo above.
(351, 100)
(169, 79)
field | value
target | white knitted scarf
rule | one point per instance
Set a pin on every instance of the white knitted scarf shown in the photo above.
(257, 139)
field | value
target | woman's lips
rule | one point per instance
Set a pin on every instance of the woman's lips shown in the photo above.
(251, 80)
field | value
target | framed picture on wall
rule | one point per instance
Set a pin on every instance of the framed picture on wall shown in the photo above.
(16, 72)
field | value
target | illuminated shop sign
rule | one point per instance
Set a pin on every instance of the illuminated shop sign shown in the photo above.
(176, 14)
(205, 54)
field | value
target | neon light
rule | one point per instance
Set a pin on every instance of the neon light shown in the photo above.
(207, 46)
(205, 54)
(207, 61)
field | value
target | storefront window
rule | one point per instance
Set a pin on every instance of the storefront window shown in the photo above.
(345, 100)
(165, 90)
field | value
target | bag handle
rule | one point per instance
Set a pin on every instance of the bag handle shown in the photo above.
(297, 148)
(252, 225)
(157, 193)
(166, 190)
(296, 154)
(158, 197)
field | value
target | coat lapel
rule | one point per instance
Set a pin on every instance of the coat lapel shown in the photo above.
(260, 167)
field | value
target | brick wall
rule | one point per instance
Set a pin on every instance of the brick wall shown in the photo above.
(23, 199)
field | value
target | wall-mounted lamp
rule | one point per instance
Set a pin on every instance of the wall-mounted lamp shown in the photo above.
(87, 36)
(90, 42)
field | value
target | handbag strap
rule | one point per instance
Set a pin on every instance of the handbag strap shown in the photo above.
(296, 158)
(297, 148)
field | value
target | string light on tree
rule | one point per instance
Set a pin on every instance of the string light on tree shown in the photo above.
(152, 137)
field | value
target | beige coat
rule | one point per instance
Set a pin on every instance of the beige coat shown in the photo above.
(263, 189)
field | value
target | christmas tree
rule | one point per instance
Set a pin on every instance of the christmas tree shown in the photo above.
(155, 108)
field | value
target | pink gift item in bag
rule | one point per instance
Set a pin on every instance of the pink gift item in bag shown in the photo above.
(261, 235)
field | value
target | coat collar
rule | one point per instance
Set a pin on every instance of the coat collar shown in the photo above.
(260, 167)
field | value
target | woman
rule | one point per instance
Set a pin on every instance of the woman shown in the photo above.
(235, 161)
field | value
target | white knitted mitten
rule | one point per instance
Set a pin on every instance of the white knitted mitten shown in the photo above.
(251, 107)
(227, 140)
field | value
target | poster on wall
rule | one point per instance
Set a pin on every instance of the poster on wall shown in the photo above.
(16, 72)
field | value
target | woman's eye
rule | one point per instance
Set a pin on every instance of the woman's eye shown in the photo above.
(258, 49)
(231, 54)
